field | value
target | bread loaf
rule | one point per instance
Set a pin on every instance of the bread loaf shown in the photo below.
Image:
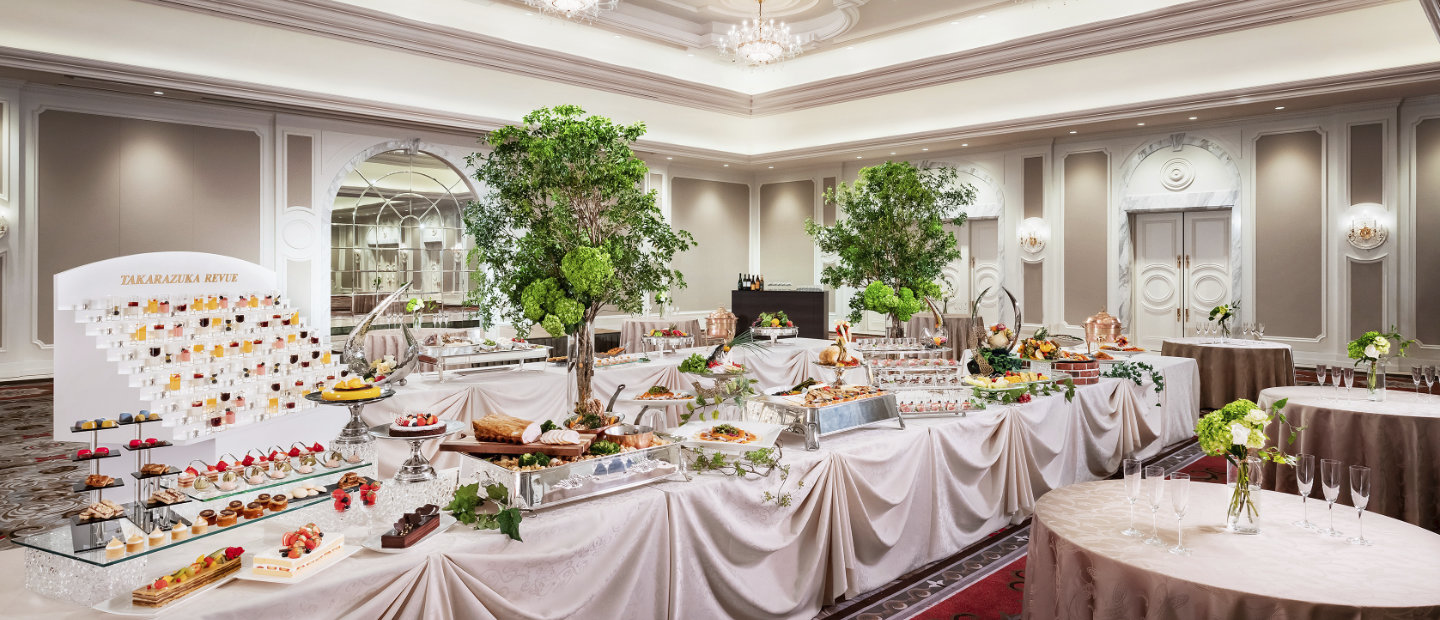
(505, 428)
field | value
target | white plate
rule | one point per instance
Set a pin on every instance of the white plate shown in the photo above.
(682, 396)
(1120, 353)
(373, 543)
(765, 432)
(345, 552)
(122, 605)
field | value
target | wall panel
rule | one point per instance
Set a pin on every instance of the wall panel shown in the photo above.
(787, 254)
(1086, 195)
(298, 163)
(1427, 230)
(1289, 229)
(1035, 293)
(1367, 297)
(1367, 163)
(1034, 187)
(718, 215)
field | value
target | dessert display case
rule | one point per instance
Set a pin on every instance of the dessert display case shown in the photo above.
(560, 484)
(925, 383)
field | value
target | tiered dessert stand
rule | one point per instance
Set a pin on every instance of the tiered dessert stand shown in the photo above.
(925, 382)
(355, 437)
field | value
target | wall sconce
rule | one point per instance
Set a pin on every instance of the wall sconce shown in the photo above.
(1367, 225)
(1034, 232)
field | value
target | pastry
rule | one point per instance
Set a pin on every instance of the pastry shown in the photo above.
(157, 537)
(280, 470)
(208, 516)
(126, 418)
(307, 464)
(300, 552)
(102, 451)
(166, 496)
(333, 458)
(134, 544)
(199, 527)
(235, 505)
(179, 531)
(350, 480)
(254, 510)
(134, 444)
(353, 388)
(87, 425)
(254, 475)
(97, 481)
(100, 511)
(229, 481)
(114, 549)
(411, 527)
(263, 498)
(227, 518)
(416, 424)
(154, 468)
(83, 453)
(187, 479)
(203, 483)
(278, 503)
(107, 424)
(203, 572)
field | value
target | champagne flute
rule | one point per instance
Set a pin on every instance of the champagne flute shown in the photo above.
(1179, 500)
(1133, 473)
(1305, 480)
(1336, 378)
(1154, 492)
(1349, 379)
(1320, 371)
(1430, 379)
(1330, 484)
(1417, 374)
(1360, 496)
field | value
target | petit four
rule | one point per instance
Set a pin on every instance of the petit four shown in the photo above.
(353, 388)
(134, 544)
(114, 549)
(154, 468)
(187, 479)
(126, 418)
(208, 516)
(179, 531)
(87, 425)
(83, 453)
(96, 481)
(157, 537)
(254, 475)
(254, 510)
(199, 527)
(307, 464)
(107, 424)
(227, 518)
(263, 498)
(411, 527)
(235, 505)
(350, 480)
(166, 496)
(280, 470)
(229, 481)
(101, 510)
(102, 451)
(278, 503)
(300, 552)
(416, 424)
(199, 574)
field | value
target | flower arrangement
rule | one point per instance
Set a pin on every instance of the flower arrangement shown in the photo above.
(1237, 432)
(1373, 347)
(1000, 336)
(1222, 314)
(382, 367)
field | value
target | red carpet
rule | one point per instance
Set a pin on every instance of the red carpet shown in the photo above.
(996, 597)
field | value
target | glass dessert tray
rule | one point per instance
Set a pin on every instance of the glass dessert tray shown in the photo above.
(243, 488)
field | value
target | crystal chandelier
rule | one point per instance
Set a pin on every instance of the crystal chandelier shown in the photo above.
(760, 42)
(587, 9)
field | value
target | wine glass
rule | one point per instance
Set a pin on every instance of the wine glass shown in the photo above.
(1179, 500)
(1259, 331)
(1430, 379)
(1330, 484)
(1349, 379)
(1154, 492)
(1360, 496)
(1305, 480)
(1133, 474)
(1417, 374)
(1336, 378)
(1320, 371)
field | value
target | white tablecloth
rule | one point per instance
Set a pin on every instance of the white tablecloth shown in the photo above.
(876, 503)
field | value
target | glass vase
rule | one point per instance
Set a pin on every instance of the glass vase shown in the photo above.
(1375, 380)
(1243, 477)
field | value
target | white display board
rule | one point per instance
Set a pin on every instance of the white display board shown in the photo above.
(88, 386)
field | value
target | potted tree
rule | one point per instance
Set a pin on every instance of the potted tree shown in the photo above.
(890, 238)
(565, 229)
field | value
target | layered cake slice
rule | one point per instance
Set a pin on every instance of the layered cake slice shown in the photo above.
(205, 570)
(411, 527)
(300, 552)
(416, 424)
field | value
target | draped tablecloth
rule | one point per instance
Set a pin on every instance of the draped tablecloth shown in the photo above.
(633, 331)
(959, 325)
(1233, 369)
(1398, 439)
(875, 503)
(1080, 566)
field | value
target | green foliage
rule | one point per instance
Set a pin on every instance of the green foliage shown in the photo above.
(879, 297)
(604, 448)
(1001, 360)
(467, 504)
(1383, 343)
(1010, 396)
(759, 463)
(1134, 371)
(1245, 421)
(565, 205)
(1223, 313)
(549, 425)
(694, 364)
(891, 230)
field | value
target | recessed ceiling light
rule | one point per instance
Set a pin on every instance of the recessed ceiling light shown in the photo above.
(857, 157)
(964, 144)
(617, 36)
(980, 16)
(1194, 118)
(1140, 124)
(925, 149)
(849, 47)
(1279, 107)
(954, 23)
(772, 167)
(1073, 131)
(669, 158)
(892, 152)
(727, 165)
(159, 92)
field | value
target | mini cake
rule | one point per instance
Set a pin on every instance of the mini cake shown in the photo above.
(199, 527)
(411, 527)
(157, 537)
(300, 552)
(179, 532)
(208, 516)
(134, 544)
(353, 388)
(227, 518)
(416, 424)
(203, 572)
(254, 510)
(235, 505)
(187, 480)
(278, 503)
(115, 549)
(263, 498)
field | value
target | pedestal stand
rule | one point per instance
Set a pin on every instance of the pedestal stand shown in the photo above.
(354, 438)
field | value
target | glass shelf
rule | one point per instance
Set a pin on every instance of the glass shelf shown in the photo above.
(80, 487)
(169, 472)
(114, 452)
(213, 495)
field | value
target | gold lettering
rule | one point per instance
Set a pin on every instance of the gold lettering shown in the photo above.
(177, 278)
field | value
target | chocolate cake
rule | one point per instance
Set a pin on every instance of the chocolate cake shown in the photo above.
(411, 527)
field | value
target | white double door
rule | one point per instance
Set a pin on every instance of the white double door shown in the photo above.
(1182, 270)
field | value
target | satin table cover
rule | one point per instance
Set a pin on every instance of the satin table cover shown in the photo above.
(1232, 369)
(1398, 439)
(1080, 566)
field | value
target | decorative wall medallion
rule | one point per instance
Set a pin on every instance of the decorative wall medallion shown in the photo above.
(1367, 232)
(1177, 174)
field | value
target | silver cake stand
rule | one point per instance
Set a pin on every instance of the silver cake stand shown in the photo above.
(355, 433)
(417, 468)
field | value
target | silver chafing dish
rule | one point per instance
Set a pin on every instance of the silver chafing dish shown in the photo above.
(816, 422)
(561, 484)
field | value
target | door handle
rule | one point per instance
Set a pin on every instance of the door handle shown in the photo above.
(1177, 262)
(1187, 314)
(1177, 315)
(1187, 261)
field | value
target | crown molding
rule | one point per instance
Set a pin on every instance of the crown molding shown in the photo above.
(1432, 13)
(1177, 23)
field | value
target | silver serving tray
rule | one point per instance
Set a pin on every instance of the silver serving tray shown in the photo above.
(553, 486)
(817, 422)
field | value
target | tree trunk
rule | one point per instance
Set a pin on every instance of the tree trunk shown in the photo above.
(584, 362)
(896, 329)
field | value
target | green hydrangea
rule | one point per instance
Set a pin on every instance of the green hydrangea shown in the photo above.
(569, 311)
(1238, 429)
(539, 297)
(879, 297)
(553, 326)
(587, 270)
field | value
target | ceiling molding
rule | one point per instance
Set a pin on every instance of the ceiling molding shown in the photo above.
(1432, 12)
(1168, 25)
(275, 99)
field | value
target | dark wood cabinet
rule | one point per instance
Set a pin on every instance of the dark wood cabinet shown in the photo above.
(805, 308)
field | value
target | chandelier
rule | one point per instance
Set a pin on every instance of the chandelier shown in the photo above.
(587, 9)
(760, 42)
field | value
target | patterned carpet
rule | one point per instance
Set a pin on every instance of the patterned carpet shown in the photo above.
(35, 471)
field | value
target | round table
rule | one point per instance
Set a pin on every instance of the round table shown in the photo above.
(1080, 566)
(1232, 369)
(960, 327)
(1398, 439)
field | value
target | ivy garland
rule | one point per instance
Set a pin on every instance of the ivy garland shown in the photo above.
(758, 463)
(1133, 371)
(1010, 396)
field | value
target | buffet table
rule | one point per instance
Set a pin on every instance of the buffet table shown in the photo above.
(633, 331)
(1080, 566)
(1398, 439)
(1232, 369)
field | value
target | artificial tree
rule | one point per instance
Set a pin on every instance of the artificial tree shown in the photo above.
(565, 229)
(890, 238)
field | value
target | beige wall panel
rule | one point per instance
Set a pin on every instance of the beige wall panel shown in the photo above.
(718, 215)
(1427, 229)
(298, 167)
(1367, 163)
(1034, 187)
(786, 253)
(1035, 292)
(1289, 220)
(156, 197)
(1367, 296)
(226, 180)
(78, 200)
(1086, 194)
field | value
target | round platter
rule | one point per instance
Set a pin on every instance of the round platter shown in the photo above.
(385, 393)
(382, 431)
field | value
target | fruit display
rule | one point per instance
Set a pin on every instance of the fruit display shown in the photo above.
(773, 319)
(205, 570)
(1008, 380)
(1033, 349)
(416, 425)
(353, 388)
(672, 332)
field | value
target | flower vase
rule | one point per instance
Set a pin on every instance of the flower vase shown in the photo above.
(1243, 477)
(1225, 330)
(1375, 380)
